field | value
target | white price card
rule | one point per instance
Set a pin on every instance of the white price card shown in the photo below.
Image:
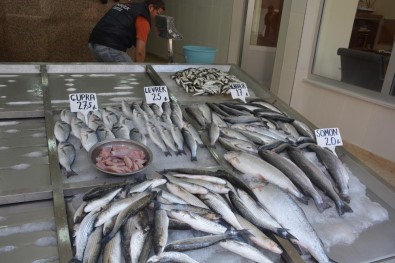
(239, 91)
(156, 94)
(329, 138)
(83, 102)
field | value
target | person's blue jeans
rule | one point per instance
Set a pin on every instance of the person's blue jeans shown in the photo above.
(106, 54)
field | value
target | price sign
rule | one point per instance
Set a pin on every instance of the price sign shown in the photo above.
(83, 102)
(156, 94)
(328, 137)
(239, 91)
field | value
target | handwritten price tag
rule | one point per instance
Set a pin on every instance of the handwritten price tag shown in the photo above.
(156, 94)
(328, 137)
(83, 102)
(239, 91)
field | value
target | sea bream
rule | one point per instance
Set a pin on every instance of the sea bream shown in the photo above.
(62, 131)
(66, 155)
(253, 165)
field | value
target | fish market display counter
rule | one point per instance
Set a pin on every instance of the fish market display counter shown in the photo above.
(38, 201)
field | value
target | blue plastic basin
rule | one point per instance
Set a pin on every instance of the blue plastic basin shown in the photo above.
(199, 54)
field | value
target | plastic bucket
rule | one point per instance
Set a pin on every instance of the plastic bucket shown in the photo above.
(199, 54)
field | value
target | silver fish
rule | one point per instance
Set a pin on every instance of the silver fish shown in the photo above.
(98, 204)
(109, 118)
(137, 243)
(137, 136)
(218, 120)
(120, 131)
(194, 133)
(207, 178)
(147, 245)
(88, 138)
(62, 131)
(175, 257)
(93, 247)
(289, 128)
(141, 187)
(104, 133)
(66, 155)
(115, 110)
(192, 188)
(233, 134)
(287, 212)
(76, 125)
(171, 198)
(185, 195)
(94, 122)
(112, 252)
(166, 108)
(108, 225)
(168, 139)
(335, 168)
(197, 115)
(213, 187)
(206, 111)
(190, 142)
(176, 119)
(128, 122)
(303, 129)
(253, 165)
(176, 108)
(79, 213)
(238, 145)
(213, 134)
(156, 109)
(157, 140)
(126, 109)
(245, 250)
(296, 175)
(161, 225)
(318, 178)
(198, 222)
(84, 230)
(147, 109)
(178, 139)
(66, 115)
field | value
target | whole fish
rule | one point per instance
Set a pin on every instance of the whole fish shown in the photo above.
(218, 120)
(120, 131)
(233, 111)
(66, 155)
(137, 243)
(264, 104)
(185, 195)
(62, 131)
(197, 115)
(168, 139)
(101, 190)
(157, 140)
(176, 119)
(318, 178)
(245, 250)
(213, 133)
(258, 237)
(207, 213)
(88, 138)
(271, 115)
(296, 175)
(198, 222)
(192, 188)
(241, 119)
(215, 188)
(161, 226)
(253, 165)
(104, 133)
(208, 178)
(129, 211)
(171, 198)
(238, 145)
(66, 115)
(199, 242)
(216, 109)
(287, 212)
(233, 134)
(218, 205)
(175, 257)
(84, 230)
(112, 252)
(99, 203)
(147, 109)
(190, 142)
(93, 246)
(206, 112)
(166, 108)
(79, 213)
(147, 184)
(289, 128)
(178, 139)
(335, 168)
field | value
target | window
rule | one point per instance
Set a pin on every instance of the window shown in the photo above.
(355, 43)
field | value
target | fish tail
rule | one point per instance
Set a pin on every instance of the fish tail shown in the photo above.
(303, 199)
(193, 159)
(70, 173)
(75, 260)
(342, 208)
(212, 146)
(201, 145)
(167, 153)
(345, 197)
(182, 151)
(322, 206)
(106, 239)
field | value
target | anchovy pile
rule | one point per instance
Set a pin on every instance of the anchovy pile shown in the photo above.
(132, 221)
(261, 140)
(165, 127)
(204, 81)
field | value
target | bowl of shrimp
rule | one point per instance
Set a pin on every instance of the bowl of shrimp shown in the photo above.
(120, 157)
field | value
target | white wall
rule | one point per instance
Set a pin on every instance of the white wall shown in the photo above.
(203, 23)
(365, 124)
(335, 32)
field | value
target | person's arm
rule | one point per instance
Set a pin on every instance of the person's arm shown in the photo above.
(142, 31)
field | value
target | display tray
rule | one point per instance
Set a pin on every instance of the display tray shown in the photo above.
(28, 233)
(21, 95)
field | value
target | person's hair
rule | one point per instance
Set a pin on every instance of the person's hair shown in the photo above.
(156, 3)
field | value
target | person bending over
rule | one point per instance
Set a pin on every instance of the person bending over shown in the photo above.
(122, 27)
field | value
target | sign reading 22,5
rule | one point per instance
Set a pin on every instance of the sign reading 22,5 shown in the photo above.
(83, 102)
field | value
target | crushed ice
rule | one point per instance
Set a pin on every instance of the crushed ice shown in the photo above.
(28, 228)
(12, 131)
(7, 249)
(46, 242)
(71, 89)
(35, 154)
(21, 166)
(39, 135)
(46, 260)
(9, 123)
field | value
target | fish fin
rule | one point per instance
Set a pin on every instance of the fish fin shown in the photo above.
(167, 153)
(74, 260)
(321, 207)
(284, 233)
(345, 198)
(201, 145)
(193, 159)
(342, 208)
(303, 199)
(70, 173)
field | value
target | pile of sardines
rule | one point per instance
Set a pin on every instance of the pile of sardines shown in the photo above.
(132, 221)
(261, 140)
(204, 81)
(164, 126)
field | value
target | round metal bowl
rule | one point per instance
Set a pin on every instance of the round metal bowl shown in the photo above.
(95, 151)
